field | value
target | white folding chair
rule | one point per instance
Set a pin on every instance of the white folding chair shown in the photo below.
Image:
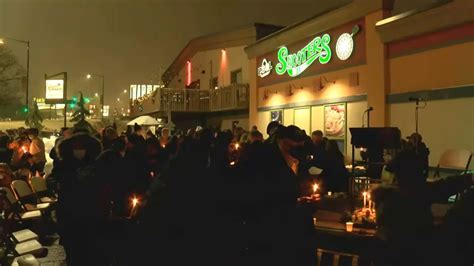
(38, 184)
(336, 257)
(454, 160)
(26, 196)
(16, 208)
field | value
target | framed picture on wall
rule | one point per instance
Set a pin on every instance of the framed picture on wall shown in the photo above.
(276, 115)
(335, 121)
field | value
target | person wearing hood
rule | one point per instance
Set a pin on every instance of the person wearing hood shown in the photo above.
(79, 216)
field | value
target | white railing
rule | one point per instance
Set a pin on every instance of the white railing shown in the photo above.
(230, 97)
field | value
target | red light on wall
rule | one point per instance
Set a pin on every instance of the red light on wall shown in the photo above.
(188, 77)
(223, 68)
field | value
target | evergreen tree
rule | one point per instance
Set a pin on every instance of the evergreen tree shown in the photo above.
(33, 118)
(81, 111)
(79, 116)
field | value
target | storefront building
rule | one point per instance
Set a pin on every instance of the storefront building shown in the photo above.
(207, 83)
(325, 72)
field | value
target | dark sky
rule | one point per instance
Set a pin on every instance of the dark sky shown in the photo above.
(128, 40)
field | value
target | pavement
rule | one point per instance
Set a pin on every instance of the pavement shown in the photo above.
(56, 256)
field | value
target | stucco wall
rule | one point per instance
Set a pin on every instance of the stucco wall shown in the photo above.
(433, 69)
(222, 65)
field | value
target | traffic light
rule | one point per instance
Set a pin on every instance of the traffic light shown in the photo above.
(73, 102)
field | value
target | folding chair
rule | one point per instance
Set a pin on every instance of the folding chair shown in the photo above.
(20, 242)
(336, 257)
(38, 184)
(458, 160)
(455, 160)
(27, 198)
(16, 209)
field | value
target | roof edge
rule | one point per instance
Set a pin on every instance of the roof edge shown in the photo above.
(179, 58)
(323, 20)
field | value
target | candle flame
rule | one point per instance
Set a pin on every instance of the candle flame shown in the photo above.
(237, 146)
(24, 149)
(232, 163)
(315, 187)
(364, 193)
(135, 202)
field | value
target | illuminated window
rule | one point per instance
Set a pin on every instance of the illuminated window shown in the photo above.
(236, 76)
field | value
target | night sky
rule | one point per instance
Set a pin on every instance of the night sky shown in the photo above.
(129, 40)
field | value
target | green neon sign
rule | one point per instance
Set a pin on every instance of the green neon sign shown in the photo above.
(297, 63)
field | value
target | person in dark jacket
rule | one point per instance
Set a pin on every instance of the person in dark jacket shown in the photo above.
(335, 174)
(271, 129)
(5, 152)
(117, 172)
(282, 230)
(404, 216)
(79, 215)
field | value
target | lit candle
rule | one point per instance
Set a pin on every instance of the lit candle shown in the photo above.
(365, 198)
(349, 226)
(370, 201)
(315, 188)
(237, 146)
(135, 202)
(232, 163)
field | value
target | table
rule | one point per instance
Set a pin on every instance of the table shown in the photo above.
(332, 235)
(339, 229)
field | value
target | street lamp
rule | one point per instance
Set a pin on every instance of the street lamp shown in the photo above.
(90, 76)
(27, 43)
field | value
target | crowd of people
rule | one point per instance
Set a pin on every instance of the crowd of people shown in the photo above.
(220, 197)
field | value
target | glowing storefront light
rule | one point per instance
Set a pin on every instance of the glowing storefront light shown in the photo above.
(265, 69)
(345, 44)
(295, 64)
(317, 49)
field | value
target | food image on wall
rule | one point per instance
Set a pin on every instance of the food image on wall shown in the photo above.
(277, 115)
(335, 120)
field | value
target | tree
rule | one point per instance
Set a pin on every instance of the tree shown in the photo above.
(33, 118)
(12, 77)
(79, 116)
(81, 111)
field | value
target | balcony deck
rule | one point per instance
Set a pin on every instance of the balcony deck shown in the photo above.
(233, 97)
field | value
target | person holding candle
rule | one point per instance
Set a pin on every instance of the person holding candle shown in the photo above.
(37, 151)
(20, 147)
(284, 228)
